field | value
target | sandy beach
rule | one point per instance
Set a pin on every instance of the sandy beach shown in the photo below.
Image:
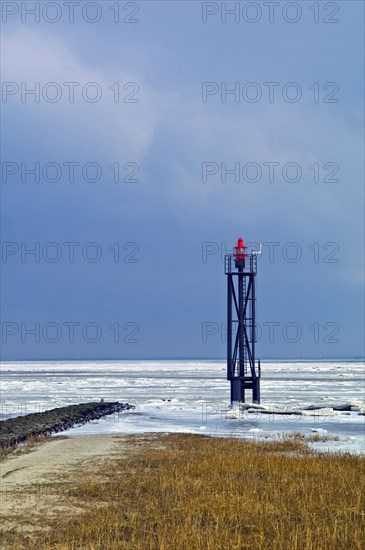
(53, 457)
(25, 478)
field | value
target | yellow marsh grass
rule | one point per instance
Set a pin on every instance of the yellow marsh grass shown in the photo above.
(191, 492)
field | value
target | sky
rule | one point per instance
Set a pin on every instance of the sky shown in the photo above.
(141, 139)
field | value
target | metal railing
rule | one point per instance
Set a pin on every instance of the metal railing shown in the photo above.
(250, 265)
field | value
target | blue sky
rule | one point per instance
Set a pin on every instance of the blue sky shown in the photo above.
(167, 293)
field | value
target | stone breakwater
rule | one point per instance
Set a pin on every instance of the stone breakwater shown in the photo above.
(17, 430)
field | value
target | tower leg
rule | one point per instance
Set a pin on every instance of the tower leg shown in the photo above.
(229, 327)
(241, 335)
(236, 390)
(256, 391)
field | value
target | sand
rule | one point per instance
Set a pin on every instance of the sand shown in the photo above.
(54, 457)
(25, 478)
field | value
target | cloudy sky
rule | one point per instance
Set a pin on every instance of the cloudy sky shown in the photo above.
(141, 139)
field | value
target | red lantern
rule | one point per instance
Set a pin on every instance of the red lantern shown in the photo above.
(239, 250)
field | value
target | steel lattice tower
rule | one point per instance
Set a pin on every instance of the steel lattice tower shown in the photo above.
(242, 369)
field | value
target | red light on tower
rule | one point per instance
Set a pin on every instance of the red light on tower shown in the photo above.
(239, 250)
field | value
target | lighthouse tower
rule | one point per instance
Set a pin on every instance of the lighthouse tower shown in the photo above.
(242, 369)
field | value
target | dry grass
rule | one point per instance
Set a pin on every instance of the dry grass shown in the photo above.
(310, 438)
(183, 492)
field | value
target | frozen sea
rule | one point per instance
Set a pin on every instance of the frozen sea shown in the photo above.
(193, 397)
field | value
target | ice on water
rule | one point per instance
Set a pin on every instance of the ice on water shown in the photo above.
(193, 396)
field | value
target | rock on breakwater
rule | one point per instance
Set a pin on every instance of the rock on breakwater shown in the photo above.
(16, 430)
